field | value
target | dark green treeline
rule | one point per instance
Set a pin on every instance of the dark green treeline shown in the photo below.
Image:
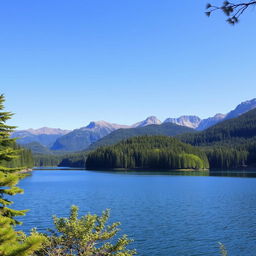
(230, 144)
(24, 158)
(225, 158)
(65, 160)
(149, 152)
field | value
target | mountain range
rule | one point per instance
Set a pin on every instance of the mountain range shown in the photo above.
(230, 144)
(82, 138)
(202, 124)
(56, 139)
(166, 129)
(45, 136)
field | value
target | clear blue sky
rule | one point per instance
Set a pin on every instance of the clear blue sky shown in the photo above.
(64, 63)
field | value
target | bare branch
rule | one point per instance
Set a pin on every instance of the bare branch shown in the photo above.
(232, 10)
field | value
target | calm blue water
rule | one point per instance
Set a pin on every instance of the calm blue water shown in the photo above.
(165, 215)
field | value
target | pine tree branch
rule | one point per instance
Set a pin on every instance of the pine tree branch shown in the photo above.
(11, 170)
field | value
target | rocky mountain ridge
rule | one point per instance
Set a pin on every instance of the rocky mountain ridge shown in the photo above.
(79, 139)
(188, 121)
(202, 124)
(148, 121)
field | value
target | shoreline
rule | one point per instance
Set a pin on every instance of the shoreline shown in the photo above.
(247, 168)
(149, 170)
(28, 170)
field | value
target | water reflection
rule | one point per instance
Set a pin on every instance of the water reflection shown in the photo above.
(233, 173)
(218, 173)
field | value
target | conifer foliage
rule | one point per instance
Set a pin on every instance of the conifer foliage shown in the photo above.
(14, 243)
(89, 235)
(9, 176)
(11, 242)
(149, 152)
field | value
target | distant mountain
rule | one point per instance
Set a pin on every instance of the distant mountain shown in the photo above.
(100, 124)
(188, 121)
(231, 131)
(241, 109)
(208, 122)
(167, 129)
(148, 121)
(48, 131)
(80, 139)
(228, 144)
(45, 136)
(202, 124)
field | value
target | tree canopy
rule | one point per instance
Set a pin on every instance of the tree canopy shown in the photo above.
(149, 152)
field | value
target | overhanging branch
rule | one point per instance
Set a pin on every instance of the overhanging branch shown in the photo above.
(232, 10)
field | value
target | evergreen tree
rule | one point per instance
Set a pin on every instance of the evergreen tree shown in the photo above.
(14, 243)
(148, 152)
(9, 176)
(11, 244)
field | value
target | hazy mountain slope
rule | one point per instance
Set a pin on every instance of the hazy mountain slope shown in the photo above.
(202, 124)
(45, 136)
(48, 131)
(80, 139)
(208, 122)
(241, 109)
(167, 129)
(234, 130)
(37, 148)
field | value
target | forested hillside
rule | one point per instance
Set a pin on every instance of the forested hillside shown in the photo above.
(243, 127)
(149, 152)
(47, 160)
(166, 129)
(37, 148)
(231, 143)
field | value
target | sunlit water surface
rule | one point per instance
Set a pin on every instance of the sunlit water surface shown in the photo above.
(165, 214)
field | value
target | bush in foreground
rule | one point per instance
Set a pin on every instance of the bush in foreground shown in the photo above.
(86, 236)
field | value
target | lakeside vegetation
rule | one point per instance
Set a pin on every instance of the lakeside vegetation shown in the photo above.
(77, 160)
(230, 144)
(88, 235)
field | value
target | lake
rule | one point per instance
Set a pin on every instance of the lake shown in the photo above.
(166, 215)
